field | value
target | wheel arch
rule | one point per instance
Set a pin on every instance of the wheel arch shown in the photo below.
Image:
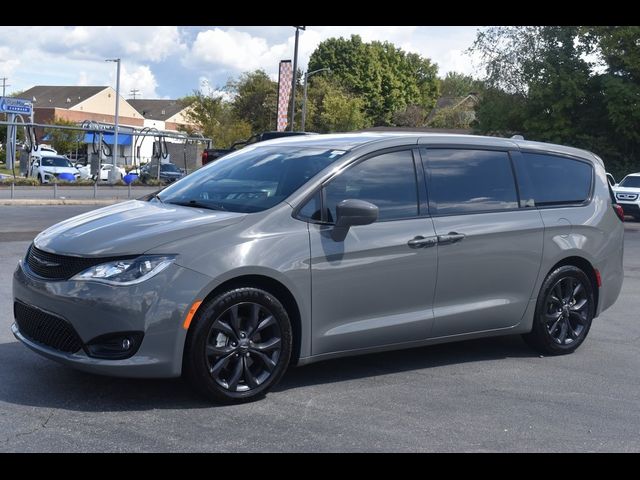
(278, 290)
(587, 267)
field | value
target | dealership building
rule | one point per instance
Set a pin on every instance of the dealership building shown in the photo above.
(97, 104)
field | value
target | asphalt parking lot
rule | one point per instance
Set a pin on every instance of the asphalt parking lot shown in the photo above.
(483, 395)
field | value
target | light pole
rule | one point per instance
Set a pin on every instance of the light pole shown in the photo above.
(114, 151)
(294, 80)
(304, 100)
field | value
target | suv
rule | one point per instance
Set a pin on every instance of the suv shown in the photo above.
(628, 195)
(169, 172)
(211, 154)
(47, 168)
(305, 249)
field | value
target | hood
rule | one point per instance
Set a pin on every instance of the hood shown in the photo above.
(130, 228)
(60, 169)
(626, 189)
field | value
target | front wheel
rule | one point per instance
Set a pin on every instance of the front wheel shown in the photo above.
(238, 346)
(564, 312)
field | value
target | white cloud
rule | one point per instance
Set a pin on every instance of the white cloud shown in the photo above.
(83, 78)
(233, 51)
(140, 78)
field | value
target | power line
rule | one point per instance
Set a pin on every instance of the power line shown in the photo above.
(134, 92)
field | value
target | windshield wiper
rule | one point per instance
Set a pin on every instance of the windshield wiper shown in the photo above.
(196, 204)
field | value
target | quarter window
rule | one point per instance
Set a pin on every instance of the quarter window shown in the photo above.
(548, 180)
(465, 181)
(388, 181)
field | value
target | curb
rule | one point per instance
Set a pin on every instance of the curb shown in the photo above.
(61, 201)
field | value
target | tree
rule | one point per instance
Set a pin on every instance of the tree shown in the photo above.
(331, 108)
(255, 98)
(215, 119)
(62, 140)
(386, 78)
(412, 116)
(456, 84)
(549, 90)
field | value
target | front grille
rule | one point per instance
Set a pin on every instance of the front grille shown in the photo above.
(60, 267)
(47, 329)
(627, 196)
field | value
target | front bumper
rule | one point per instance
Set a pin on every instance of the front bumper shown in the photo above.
(156, 307)
(630, 208)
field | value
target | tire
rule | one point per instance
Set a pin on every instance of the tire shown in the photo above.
(222, 362)
(564, 312)
(40, 179)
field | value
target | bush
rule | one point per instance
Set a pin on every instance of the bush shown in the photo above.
(19, 181)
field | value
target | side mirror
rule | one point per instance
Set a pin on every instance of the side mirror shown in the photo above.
(352, 212)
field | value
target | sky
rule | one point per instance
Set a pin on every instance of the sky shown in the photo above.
(171, 61)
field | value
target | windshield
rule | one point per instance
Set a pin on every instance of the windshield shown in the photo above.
(632, 182)
(250, 180)
(56, 162)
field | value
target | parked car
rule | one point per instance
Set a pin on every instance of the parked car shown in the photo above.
(306, 249)
(211, 154)
(48, 167)
(105, 168)
(628, 195)
(169, 172)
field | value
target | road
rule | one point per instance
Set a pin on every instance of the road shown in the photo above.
(483, 395)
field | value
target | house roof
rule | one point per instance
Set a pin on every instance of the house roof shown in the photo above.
(450, 102)
(157, 109)
(60, 96)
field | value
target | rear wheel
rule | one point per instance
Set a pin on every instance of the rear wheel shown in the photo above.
(564, 312)
(239, 346)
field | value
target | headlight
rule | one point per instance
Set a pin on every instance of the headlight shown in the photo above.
(128, 271)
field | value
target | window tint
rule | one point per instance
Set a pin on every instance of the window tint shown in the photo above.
(311, 209)
(252, 179)
(547, 180)
(464, 181)
(388, 181)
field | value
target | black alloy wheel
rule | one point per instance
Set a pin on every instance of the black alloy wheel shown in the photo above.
(238, 346)
(564, 312)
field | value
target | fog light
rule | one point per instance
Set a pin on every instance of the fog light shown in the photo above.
(114, 346)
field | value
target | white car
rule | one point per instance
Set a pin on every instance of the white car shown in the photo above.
(49, 167)
(628, 195)
(104, 172)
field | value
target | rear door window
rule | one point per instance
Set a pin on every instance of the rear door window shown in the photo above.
(551, 180)
(467, 181)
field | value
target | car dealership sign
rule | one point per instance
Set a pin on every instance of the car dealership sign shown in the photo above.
(15, 105)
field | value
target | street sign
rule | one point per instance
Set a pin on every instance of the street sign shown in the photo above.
(15, 105)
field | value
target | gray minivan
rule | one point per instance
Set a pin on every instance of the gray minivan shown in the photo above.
(301, 249)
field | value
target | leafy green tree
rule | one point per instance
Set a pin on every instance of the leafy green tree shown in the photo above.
(216, 119)
(386, 78)
(545, 74)
(331, 108)
(62, 140)
(255, 98)
(456, 84)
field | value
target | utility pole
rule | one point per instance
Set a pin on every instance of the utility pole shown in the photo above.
(114, 151)
(4, 85)
(134, 92)
(294, 79)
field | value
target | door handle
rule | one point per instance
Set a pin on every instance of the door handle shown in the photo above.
(451, 237)
(422, 242)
